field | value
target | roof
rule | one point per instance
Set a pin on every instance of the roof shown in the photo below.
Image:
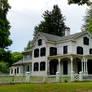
(22, 62)
(55, 38)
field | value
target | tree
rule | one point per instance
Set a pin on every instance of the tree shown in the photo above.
(4, 25)
(16, 56)
(88, 20)
(53, 22)
(80, 2)
(28, 46)
(5, 41)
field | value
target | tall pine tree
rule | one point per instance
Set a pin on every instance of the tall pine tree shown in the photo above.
(53, 22)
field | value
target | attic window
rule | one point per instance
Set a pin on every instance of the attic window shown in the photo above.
(86, 41)
(39, 42)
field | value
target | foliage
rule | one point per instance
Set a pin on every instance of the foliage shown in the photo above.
(53, 22)
(28, 46)
(80, 2)
(4, 67)
(88, 20)
(4, 25)
(16, 56)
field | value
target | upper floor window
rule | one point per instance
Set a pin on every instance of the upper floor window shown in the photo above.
(36, 66)
(53, 51)
(43, 51)
(86, 41)
(90, 51)
(36, 53)
(39, 42)
(79, 50)
(65, 49)
(42, 66)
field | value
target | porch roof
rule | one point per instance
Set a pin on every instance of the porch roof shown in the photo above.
(69, 56)
(22, 62)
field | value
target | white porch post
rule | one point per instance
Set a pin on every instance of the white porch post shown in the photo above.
(48, 67)
(59, 65)
(86, 66)
(71, 64)
(82, 65)
(72, 78)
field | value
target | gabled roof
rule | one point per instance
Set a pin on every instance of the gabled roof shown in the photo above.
(55, 38)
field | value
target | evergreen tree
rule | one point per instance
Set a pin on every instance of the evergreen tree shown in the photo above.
(28, 46)
(88, 20)
(53, 22)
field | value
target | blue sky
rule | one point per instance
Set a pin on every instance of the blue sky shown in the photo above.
(26, 14)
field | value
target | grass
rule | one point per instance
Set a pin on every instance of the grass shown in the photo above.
(51, 87)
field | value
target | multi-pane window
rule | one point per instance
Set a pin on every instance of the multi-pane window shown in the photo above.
(43, 51)
(79, 50)
(86, 41)
(90, 51)
(27, 67)
(36, 53)
(53, 51)
(36, 66)
(42, 66)
(65, 49)
(17, 70)
(39, 42)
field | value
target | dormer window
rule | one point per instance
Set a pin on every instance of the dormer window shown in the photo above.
(39, 42)
(86, 40)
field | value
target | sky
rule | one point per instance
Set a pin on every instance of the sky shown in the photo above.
(24, 15)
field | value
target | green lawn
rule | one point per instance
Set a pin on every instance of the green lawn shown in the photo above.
(51, 87)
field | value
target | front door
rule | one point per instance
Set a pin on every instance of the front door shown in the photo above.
(53, 67)
(89, 65)
(65, 67)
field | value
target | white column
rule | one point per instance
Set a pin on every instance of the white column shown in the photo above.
(71, 64)
(48, 67)
(82, 65)
(59, 65)
(86, 66)
(39, 66)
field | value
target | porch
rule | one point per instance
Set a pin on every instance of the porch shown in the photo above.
(66, 64)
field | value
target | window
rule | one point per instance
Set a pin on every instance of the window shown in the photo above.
(42, 66)
(36, 66)
(53, 51)
(65, 50)
(43, 51)
(27, 67)
(36, 53)
(17, 70)
(11, 71)
(90, 51)
(39, 42)
(86, 41)
(79, 50)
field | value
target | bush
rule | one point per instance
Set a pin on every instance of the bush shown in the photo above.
(4, 67)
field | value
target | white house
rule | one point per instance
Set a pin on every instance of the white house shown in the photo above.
(50, 53)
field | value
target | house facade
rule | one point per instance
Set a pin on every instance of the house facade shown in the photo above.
(50, 54)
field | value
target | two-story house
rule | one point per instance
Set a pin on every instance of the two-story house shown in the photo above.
(50, 53)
